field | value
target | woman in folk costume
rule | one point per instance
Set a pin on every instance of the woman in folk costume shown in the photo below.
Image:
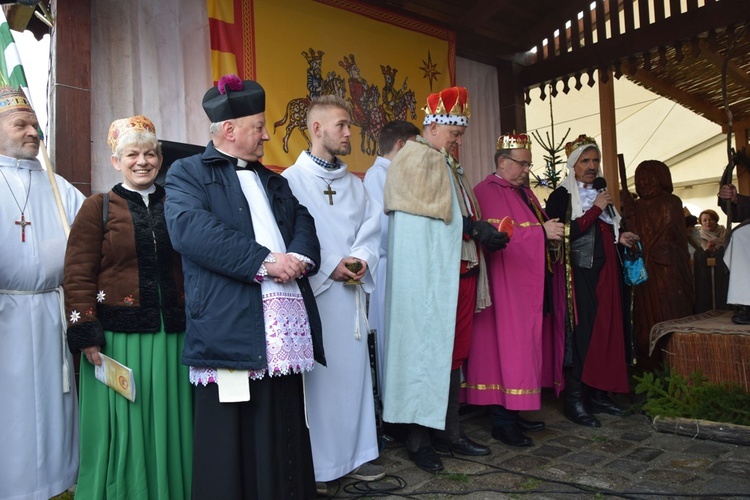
(596, 354)
(124, 298)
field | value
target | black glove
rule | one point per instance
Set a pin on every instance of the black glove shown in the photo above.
(486, 234)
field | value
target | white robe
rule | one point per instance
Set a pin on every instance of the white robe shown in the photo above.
(375, 185)
(737, 259)
(38, 423)
(340, 404)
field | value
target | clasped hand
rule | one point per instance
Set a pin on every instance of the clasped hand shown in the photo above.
(341, 273)
(286, 268)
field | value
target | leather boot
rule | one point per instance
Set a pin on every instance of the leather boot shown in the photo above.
(599, 402)
(574, 406)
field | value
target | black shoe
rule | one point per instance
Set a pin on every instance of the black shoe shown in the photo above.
(511, 435)
(426, 459)
(462, 446)
(578, 414)
(741, 319)
(599, 402)
(528, 425)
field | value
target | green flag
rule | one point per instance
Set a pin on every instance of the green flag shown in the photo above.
(11, 68)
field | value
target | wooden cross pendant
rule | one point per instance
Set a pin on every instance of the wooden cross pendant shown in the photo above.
(23, 223)
(330, 192)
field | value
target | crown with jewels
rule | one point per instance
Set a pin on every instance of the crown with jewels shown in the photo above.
(581, 140)
(514, 141)
(312, 55)
(448, 107)
(124, 126)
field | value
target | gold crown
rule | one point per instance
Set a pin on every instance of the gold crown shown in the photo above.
(124, 126)
(581, 140)
(313, 56)
(514, 141)
(12, 99)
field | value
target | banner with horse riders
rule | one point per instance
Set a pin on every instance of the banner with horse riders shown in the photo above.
(385, 65)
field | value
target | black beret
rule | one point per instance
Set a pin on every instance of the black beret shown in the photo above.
(234, 98)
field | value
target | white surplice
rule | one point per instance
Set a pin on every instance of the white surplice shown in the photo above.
(39, 422)
(339, 396)
(737, 259)
(375, 185)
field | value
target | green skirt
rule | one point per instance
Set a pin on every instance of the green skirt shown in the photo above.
(141, 450)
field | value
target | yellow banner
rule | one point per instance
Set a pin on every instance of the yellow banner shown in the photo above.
(385, 65)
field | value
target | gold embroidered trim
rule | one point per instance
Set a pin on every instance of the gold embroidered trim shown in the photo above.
(498, 387)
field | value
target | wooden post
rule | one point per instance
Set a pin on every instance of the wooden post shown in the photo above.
(70, 93)
(609, 135)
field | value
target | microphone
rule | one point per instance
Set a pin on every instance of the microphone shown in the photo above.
(600, 184)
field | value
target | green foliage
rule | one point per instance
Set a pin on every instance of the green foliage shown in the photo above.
(669, 394)
(531, 483)
(454, 476)
(551, 176)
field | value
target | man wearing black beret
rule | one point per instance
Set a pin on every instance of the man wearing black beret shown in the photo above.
(253, 327)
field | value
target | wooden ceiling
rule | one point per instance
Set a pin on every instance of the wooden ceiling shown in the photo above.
(676, 48)
(487, 30)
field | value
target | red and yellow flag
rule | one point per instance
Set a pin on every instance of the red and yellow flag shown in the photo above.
(384, 64)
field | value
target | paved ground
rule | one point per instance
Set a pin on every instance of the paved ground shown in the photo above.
(625, 458)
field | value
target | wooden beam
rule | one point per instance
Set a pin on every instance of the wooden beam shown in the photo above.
(613, 11)
(479, 13)
(70, 92)
(511, 99)
(734, 72)
(601, 29)
(608, 125)
(703, 429)
(676, 94)
(676, 28)
(556, 19)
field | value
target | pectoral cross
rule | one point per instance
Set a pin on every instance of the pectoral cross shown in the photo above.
(330, 192)
(23, 223)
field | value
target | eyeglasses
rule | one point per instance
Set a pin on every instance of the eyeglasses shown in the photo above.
(524, 164)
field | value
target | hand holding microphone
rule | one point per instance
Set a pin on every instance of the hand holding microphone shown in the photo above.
(603, 199)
